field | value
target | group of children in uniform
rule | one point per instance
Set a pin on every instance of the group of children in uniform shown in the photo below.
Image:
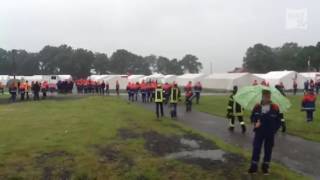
(87, 86)
(25, 90)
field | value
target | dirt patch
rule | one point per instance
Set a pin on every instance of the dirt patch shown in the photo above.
(125, 133)
(192, 148)
(55, 165)
(161, 145)
(111, 154)
(204, 143)
(108, 154)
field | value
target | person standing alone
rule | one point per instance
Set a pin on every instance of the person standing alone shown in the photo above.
(309, 104)
(266, 119)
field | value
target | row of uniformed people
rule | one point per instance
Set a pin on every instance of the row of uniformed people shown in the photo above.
(85, 86)
(24, 89)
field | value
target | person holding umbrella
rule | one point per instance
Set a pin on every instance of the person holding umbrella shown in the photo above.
(266, 119)
(266, 104)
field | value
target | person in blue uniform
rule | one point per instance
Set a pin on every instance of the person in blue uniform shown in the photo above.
(266, 119)
(309, 104)
(234, 111)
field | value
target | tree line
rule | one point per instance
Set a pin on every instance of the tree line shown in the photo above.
(81, 62)
(290, 56)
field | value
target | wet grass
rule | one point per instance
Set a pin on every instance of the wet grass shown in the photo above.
(295, 119)
(100, 138)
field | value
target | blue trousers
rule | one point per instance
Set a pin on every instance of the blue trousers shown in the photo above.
(267, 140)
(309, 115)
(173, 110)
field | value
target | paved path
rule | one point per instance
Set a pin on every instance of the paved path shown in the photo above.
(296, 153)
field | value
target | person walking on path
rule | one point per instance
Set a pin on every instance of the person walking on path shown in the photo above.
(197, 90)
(234, 111)
(159, 100)
(174, 99)
(266, 119)
(309, 104)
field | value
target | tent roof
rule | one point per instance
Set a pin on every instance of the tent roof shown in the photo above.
(191, 76)
(310, 74)
(135, 76)
(226, 75)
(156, 75)
(277, 74)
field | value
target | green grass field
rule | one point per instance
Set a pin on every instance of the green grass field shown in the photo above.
(295, 119)
(105, 138)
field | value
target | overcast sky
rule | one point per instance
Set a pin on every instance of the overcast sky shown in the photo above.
(217, 31)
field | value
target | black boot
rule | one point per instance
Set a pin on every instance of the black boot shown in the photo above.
(253, 169)
(265, 168)
(284, 128)
(243, 128)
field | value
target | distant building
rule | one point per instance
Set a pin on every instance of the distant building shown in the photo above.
(238, 70)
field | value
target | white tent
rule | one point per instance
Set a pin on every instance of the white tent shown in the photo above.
(226, 81)
(286, 77)
(64, 77)
(112, 80)
(135, 78)
(315, 76)
(97, 77)
(169, 78)
(184, 79)
(154, 77)
(4, 79)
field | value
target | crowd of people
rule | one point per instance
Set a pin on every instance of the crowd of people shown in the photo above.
(87, 86)
(163, 94)
(266, 116)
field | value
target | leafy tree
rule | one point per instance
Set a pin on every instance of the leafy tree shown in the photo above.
(101, 63)
(260, 59)
(189, 63)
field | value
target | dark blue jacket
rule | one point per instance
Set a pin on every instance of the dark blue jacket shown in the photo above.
(270, 121)
(309, 102)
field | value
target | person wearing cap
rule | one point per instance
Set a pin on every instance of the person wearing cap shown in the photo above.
(234, 111)
(309, 104)
(266, 120)
(158, 99)
(175, 96)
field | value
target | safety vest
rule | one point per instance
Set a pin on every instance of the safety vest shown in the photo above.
(158, 95)
(174, 96)
(234, 107)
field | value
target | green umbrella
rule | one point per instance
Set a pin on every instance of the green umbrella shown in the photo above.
(249, 96)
